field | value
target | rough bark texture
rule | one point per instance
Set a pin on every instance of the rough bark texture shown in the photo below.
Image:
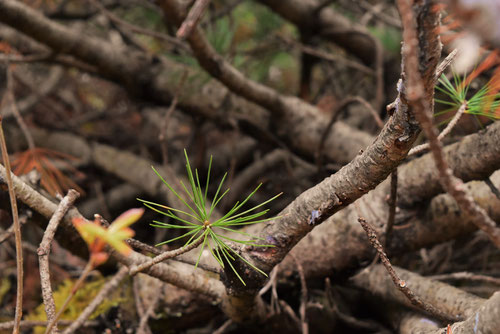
(473, 157)
(443, 296)
(339, 245)
(327, 23)
(486, 319)
(156, 82)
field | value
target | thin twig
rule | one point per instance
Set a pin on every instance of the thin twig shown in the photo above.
(392, 206)
(335, 114)
(445, 132)
(445, 63)
(380, 14)
(26, 324)
(150, 249)
(139, 30)
(165, 256)
(334, 58)
(493, 188)
(44, 251)
(163, 128)
(17, 232)
(421, 109)
(303, 296)
(467, 276)
(194, 15)
(289, 310)
(5, 235)
(101, 296)
(400, 284)
(15, 111)
(139, 305)
(222, 329)
(143, 327)
(86, 271)
(64, 60)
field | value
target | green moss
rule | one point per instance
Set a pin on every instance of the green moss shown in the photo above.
(4, 287)
(82, 298)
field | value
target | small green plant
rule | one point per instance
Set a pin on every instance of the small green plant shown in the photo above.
(197, 219)
(485, 102)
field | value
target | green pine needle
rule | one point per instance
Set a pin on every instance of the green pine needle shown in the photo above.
(198, 214)
(482, 103)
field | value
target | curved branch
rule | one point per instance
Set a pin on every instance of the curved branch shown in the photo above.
(444, 297)
(176, 273)
(485, 320)
(305, 15)
(300, 127)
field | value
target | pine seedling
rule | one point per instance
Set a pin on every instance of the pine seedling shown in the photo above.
(196, 219)
(485, 102)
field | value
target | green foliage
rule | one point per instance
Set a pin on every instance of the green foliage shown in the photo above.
(4, 287)
(482, 102)
(196, 219)
(84, 296)
(390, 38)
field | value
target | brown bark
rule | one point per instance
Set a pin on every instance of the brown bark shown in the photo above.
(326, 23)
(444, 297)
(156, 82)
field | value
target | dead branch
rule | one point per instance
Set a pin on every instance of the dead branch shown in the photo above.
(444, 133)
(340, 250)
(183, 275)
(17, 228)
(444, 297)
(104, 293)
(422, 110)
(474, 157)
(27, 324)
(486, 319)
(134, 71)
(44, 251)
(304, 14)
(194, 15)
(398, 282)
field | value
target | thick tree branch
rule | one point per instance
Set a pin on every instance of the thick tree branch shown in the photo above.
(300, 127)
(183, 275)
(422, 110)
(327, 23)
(474, 157)
(334, 248)
(443, 296)
(486, 319)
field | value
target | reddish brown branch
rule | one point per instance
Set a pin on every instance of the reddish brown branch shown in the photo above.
(445, 132)
(17, 231)
(392, 207)
(398, 282)
(194, 15)
(422, 110)
(448, 299)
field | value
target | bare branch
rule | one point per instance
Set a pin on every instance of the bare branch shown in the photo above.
(103, 294)
(446, 298)
(194, 15)
(398, 282)
(422, 110)
(444, 133)
(44, 251)
(165, 256)
(182, 275)
(485, 320)
(17, 229)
